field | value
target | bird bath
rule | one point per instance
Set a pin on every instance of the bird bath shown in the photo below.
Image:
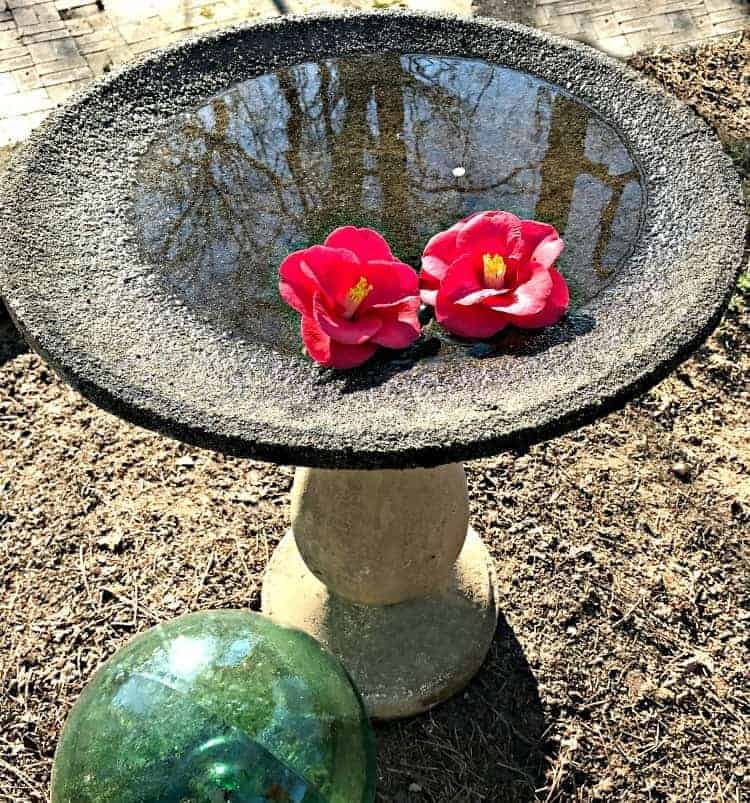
(143, 225)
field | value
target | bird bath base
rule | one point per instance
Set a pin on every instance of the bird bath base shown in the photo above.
(382, 569)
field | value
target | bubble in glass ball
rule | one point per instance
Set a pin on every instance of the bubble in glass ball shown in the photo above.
(217, 707)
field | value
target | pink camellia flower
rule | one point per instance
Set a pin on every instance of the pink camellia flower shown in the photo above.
(493, 269)
(353, 295)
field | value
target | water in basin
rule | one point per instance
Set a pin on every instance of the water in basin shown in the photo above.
(406, 144)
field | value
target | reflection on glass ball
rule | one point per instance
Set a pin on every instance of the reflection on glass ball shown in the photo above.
(215, 707)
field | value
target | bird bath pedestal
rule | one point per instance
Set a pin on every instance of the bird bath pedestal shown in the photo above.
(379, 568)
(142, 226)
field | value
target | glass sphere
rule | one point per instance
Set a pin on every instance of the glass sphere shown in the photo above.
(215, 707)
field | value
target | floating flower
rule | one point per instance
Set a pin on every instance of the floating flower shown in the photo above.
(353, 295)
(493, 269)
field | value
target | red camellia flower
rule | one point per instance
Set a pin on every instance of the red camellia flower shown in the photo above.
(493, 269)
(353, 295)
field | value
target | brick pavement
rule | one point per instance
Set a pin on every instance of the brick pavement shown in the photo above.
(624, 27)
(50, 48)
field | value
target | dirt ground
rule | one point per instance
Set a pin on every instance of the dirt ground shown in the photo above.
(619, 671)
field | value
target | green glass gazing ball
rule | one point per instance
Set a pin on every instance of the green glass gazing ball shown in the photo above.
(216, 707)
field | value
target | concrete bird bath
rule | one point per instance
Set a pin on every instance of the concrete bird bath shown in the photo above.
(142, 228)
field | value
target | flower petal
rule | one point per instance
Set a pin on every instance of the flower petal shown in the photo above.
(533, 232)
(328, 352)
(528, 298)
(366, 243)
(432, 273)
(343, 356)
(330, 271)
(400, 325)
(316, 341)
(443, 244)
(298, 295)
(353, 332)
(548, 251)
(490, 232)
(476, 321)
(557, 305)
(296, 286)
(437, 257)
(461, 279)
(391, 281)
(481, 295)
(433, 268)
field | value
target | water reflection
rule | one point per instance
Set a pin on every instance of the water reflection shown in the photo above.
(405, 144)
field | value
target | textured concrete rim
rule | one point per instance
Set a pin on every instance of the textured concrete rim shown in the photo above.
(84, 319)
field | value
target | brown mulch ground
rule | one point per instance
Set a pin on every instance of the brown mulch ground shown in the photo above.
(623, 550)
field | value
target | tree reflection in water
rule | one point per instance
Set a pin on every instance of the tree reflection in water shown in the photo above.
(276, 162)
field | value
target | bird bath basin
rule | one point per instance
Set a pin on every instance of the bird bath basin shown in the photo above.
(142, 228)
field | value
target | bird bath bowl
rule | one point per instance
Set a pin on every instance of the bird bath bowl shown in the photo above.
(143, 225)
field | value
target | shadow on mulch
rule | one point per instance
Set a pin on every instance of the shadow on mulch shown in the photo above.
(486, 743)
(11, 342)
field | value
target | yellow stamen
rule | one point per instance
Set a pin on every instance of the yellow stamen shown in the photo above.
(494, 270)
(356, 296)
